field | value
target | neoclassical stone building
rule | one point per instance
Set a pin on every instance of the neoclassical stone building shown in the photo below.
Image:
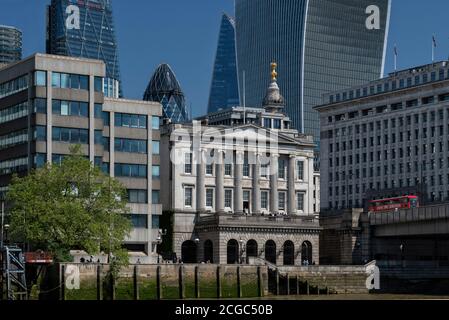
(243, 189)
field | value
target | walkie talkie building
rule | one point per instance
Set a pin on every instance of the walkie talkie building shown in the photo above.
(319, 45)
(85, 29)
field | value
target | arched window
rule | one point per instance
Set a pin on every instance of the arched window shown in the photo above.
(232, 251)
(306, 253)
(188, 252)
(252, 249)
(289, 253)
(270, 251)
(208, 251)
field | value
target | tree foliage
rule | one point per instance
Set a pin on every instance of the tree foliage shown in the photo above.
(72, 206)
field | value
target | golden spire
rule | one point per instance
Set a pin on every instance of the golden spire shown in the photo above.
(274, 73)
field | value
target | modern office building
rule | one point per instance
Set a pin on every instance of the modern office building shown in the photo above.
(86, 29)
(224, 91)
(165, 89)
(320, 46)
(387, 138)
(240, 192)
(49, 102)
(10, 45)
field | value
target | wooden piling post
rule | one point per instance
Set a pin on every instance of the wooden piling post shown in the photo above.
(197, 283)
(259, 282)
(136, 283)
(239, 282)
(297, 285)
(99, 283)
(158, 283)
(61, 283)
(288, 284)
(277, 282)
(219, 293)
(307, 288)
(182, 294)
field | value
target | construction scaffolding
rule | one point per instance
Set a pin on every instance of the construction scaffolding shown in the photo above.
(13, 280)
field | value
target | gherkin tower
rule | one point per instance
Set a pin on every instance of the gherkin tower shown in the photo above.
(165, 88)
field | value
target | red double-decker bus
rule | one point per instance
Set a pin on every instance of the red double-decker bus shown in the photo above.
(391, 204)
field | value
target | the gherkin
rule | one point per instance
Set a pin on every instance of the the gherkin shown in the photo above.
(165, 88)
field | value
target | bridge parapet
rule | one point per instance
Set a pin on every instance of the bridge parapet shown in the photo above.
(426, 213)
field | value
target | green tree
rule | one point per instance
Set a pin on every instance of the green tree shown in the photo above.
(74, 205)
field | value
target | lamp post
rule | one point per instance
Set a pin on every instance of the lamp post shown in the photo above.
(159, 242)
(401, 247)
(3, 225)
(197, 242)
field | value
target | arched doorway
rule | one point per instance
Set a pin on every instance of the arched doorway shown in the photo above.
(306, 253)
(251, 249)
(188, 252)
(270, 251)
(208, 251)
(289, 253)
(233, 251)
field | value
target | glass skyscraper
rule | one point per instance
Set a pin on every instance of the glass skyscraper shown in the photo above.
(165, 88)
(319, 45)
(10, 45)
(224, 90)
(94, 36)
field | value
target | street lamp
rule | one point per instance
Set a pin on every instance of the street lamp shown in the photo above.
(159, 241)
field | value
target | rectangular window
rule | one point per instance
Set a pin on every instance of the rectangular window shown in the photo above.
(264, 200)
(300, 170)
(155, 197)
(137, 196)
(188, 192)
(106, 120)
(209, 198)
(300, 201)
(130, 170)
(131, 145)
(281, 203)
(156, 147)
(155, 123)
(139, 220)
(188, 163)
(56, 80)
(98, 84)
(98, 111)
(209, 169)
(130, 120)
(84, 83)
(155, 222)
(264, 170)
(228, 198)
(40, 78)
(281, 172)
(228, 170)
(156, 172)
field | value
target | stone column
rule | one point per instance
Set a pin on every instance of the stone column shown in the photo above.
(238, 186)
(291, 185)
(219, 183)
(256, 185)
(274, 175)
(201, 183)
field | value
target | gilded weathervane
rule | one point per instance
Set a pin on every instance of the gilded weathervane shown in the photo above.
(274, 73)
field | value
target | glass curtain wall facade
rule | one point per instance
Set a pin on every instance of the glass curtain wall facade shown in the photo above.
(94, 38)
(10, 45)
(319, 45)
(165, 88)
(224, 92)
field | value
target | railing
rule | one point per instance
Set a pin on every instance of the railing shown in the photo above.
(411, 215)
(311, 220)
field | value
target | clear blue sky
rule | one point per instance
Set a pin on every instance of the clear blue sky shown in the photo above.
(185, 33)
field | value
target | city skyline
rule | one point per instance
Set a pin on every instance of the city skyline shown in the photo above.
(199, 52)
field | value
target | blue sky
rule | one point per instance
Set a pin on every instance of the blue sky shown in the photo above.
(185, 34)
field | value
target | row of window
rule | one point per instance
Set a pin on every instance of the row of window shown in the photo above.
(13, 166)
(393, 169)
(13, 139)
(141, 196)
(389, 86)
(228, 199)
(67, 81)
(264, 169)
(13, 86)
(388, 123)
(70, 135)
(15, 112)
(392, 154)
